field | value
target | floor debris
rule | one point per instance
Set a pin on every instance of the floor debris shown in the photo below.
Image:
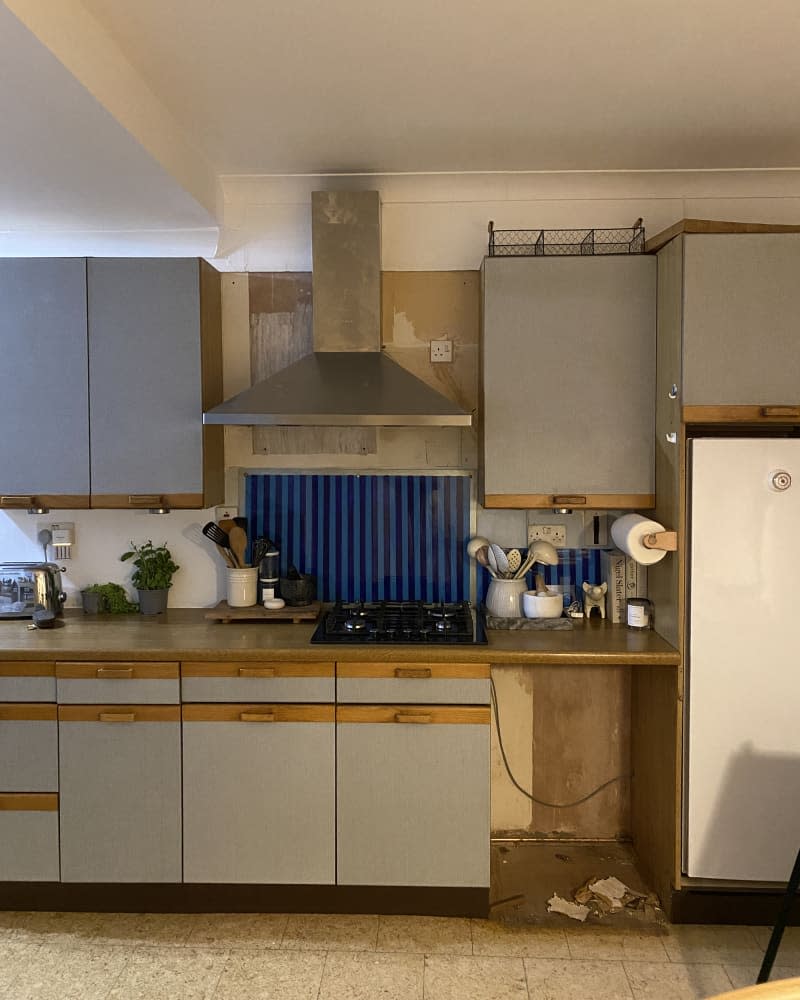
(578, 911)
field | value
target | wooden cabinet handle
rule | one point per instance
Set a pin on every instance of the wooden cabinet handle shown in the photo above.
(257, 717)
(568, 501)
(256, 671)
(412, 672)
(780, 411)
(17, 501)
(414, 719)
(111, 673)
(145, 500)
(117, 717)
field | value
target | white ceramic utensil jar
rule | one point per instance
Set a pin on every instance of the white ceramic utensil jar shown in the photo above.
(242, 587)
(504, 598)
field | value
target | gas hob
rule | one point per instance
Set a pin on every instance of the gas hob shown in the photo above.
(402, 623)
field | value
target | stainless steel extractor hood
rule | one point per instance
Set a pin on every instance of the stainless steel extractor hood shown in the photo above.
(348, 380)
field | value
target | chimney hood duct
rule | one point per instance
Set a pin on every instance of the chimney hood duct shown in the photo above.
(348, 380)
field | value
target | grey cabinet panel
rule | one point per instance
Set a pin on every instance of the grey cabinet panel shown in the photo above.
(413, 804)
(29, 846)
(432, 691)
(259, 802)
(145, 376)
(77, 691)
(28, 755)
(27, 689)
(568, 375)
(120, 801)
(741, 302)
(257, 689)
(44, 447)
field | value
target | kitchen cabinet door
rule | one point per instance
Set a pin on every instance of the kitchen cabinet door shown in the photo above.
(154, 365)
(412, 795)
(120, 801)
(28, 748)
(29, 838)
(568, 382)
(258, 794)
(44, 445)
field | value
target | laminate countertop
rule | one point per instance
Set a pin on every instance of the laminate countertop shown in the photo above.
(184, 634)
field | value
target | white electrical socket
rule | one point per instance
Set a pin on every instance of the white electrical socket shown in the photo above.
(556, 534)
(441, 350)
(226, 512)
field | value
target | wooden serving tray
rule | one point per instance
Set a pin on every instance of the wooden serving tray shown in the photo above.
(223, 613)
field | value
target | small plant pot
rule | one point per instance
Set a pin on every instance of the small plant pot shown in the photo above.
(153, 602)
(92, 602)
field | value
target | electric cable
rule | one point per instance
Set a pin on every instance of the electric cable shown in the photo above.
(530, 795)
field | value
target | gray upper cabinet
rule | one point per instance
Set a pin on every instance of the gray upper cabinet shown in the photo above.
(568, 363)
(44, 447)
(737, 299)
(108, 365)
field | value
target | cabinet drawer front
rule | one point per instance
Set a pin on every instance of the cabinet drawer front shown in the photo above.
(121, 682)
(432, 690)
(28, 748)
(29, 835)
(436, 715)
(258, 712)
(32, 681)
(259, 802)
(120, 797)
(117, 712)
(258, 681)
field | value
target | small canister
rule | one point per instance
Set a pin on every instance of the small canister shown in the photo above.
(639, 612)
(269, 574)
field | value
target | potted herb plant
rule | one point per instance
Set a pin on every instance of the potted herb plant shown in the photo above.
(106, 598)
(152, 577)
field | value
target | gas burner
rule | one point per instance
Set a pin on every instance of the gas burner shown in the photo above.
(405, 622)
(357, 624)
(444, 624)
(442, 610)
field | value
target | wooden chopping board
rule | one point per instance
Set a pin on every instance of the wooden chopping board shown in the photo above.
(257, 613)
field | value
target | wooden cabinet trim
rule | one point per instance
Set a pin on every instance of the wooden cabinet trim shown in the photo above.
(19, 711)
(127, 501)
(436, 714)
(714, 227)
(766, 414)
(105, 670)
(280, 713)
(141, 713)
(29, 802)
(591, 501)
(29, 668)
(67, 501)
(233, 668)
(438, 671)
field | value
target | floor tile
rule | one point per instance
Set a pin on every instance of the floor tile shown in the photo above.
(672, 981)
(717, 944)
(575, 980)
(594, 943)
(9, 922)
(73, 971)
(143, 928)
(471, 978)
(745, 975)
(789, 948)
(425, 935)
(493, 937)
(271, 975)
(15, 955)
(238, 930)
(330, 932)
(170, 974)
(366, 975)
(57, 928)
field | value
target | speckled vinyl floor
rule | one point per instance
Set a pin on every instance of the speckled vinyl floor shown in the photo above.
(94, 956)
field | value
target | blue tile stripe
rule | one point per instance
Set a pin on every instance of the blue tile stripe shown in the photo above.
(368, 537)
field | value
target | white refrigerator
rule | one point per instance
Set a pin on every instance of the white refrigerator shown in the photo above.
(741, 806)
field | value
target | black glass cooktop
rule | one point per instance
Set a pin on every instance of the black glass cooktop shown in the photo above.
(401, 622)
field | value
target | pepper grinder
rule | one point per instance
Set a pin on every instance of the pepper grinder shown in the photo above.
(268, 575)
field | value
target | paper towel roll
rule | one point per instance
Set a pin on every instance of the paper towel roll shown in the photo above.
(628, 533)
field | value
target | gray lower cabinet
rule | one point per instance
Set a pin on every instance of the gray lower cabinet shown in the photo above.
(28, 748)
(31, 681)
(120, 793)
(413, 795)
(568, 382)
(258, 793)
(423, 683)
(117, 682)
(257, 682)
(29, 838)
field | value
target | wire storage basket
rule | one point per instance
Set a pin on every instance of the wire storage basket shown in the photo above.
(565, 242)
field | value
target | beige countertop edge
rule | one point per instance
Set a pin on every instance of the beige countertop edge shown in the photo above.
(184, 634)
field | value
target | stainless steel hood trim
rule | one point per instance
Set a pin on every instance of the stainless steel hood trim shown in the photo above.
(343, 389)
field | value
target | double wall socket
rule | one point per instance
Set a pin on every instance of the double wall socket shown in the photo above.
(556, 534)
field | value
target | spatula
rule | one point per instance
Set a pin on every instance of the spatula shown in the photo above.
(223, 543)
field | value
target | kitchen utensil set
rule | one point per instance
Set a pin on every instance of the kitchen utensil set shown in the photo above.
(230, 538)
(510, 565)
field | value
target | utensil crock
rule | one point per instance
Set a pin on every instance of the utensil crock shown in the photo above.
(504, 598)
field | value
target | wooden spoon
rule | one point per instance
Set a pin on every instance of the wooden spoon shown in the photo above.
(238, 537)
(482, 557)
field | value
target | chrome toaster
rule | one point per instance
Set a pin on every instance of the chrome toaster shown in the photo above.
(27, 587)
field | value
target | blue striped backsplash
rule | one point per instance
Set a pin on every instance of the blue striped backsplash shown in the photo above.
(368, 537)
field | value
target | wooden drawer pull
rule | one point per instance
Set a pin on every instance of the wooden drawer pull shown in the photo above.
(412, 672)
(117, 717)
(780, 411)
(112, 673)
(256, 671)
(414, 719)
(145, 500)
(568, 501)
(257, 717)
(17, 501)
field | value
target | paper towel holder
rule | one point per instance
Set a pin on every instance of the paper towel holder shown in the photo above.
(666, 541)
